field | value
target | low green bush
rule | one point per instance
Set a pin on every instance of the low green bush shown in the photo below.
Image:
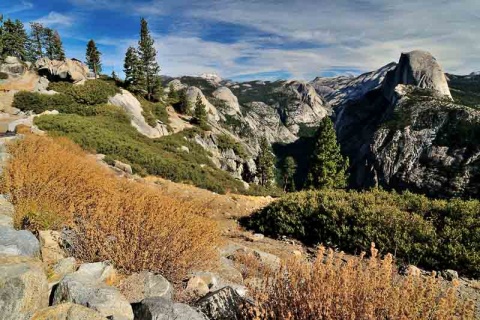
(436, 234)
(153, 111)
(38, 103)
(91, 93)
(225, 142)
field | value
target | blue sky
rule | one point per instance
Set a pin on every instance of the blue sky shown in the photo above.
(266, 39)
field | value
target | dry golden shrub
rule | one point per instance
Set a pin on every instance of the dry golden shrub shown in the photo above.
(53, 184)
(330, 288)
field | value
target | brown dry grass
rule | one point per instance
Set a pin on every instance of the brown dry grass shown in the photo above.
(330, 288)
(53, 184)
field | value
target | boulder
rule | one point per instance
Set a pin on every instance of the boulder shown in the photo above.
(224, 304)
(62, 268)
(86, 287)
(140, 286)
(192, 94)
(133, 107)
(123, 167)
(163, 309)
(6, 221)
(50, 247)
(420, 69)
(6, 207)
(231, 101)
(13, 66)
(177, 85)
(23, 287)
(197, 287)
(18, 243)
(71, 70)
(67, 311)
(449, 274)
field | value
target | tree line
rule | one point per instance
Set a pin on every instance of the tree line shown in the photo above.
(40, 42)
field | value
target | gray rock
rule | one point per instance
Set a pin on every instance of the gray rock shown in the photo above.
(145, 284)
(18, 243)
(64, 267)
(224, 304)
(163, 309)
(50, 246)
(420, 69)
(6, 207)
(67, 311)
(23, 288)
(133, 107)
(85, 287)
(231, 101)
(6, 221)
(123, 167)
(13, 66)
(71, 70)
(449, 274)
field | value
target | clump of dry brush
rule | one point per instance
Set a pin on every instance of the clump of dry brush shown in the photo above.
(54, 184)
(332, 287)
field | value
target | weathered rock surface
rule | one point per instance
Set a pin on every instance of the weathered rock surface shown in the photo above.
(6, 221)
(18, 243)
(62, 268)
(50, 247)
(23, 287)
(85, 287)
(231, 101)
(123, 167)
(192, 94)
(140, 286)
(13, 66)
(224, 304)
(420, 69)
(132, 106)
(67, 311)
(71, 70)
(163, 309)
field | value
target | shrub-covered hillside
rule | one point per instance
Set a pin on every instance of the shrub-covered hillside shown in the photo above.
(101, 128)
(436, 234)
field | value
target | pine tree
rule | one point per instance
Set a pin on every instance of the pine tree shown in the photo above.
(148, 64)
(183, 105)
(36, 41)
(200, 115)
(327, 165)
(265, 163)
(93, 58)
(1, 35)
(289, 168)
(53, 45)
(14, 39)
(131, 67)
(172, 94)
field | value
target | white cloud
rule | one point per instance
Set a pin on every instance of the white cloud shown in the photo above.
(55, 19)
(19, 7)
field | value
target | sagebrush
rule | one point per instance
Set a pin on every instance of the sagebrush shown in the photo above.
(330, 288)
(54, 184)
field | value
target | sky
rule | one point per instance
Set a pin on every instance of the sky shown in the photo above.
(265, 39)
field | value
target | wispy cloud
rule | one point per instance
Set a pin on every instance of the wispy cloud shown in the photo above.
(56, 19)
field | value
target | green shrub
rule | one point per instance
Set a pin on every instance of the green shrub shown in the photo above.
(153, 111)
(436, 234)
(38, 103)
(3, 76)
(225, 142)
(163, 157)
(91, 93)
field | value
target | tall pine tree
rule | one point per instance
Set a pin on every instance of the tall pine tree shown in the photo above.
(93, 58)
(200, 114)
(289, 168)
(14, 38)
(54, 46)
(36, 41)
(149, 75)
(327, 165)
(131, 67)
(265, 163)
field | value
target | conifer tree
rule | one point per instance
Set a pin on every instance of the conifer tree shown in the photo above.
(327, 165)
(1, 35)
(14, 38)
(131, 67)
(200, 115)
(149, 77)
(265, 163)
(183, 105)
(289, 169)
(54, 46)
(172, 93)
(36, 41)
(93, 58)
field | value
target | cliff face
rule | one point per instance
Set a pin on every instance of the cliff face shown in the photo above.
(409, 134)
